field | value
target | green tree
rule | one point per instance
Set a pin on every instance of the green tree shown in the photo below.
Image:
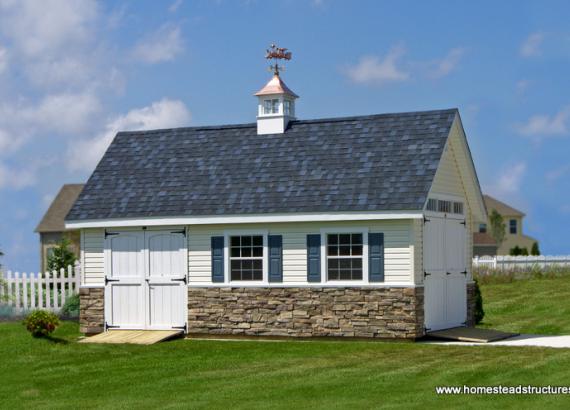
(524, 252)
(516, 251)
(498, 227)
(535, 251)
(61, 256)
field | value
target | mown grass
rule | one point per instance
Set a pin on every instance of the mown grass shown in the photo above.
(539, 305)
(60, 373)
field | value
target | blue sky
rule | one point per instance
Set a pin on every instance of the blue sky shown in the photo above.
(74, 72)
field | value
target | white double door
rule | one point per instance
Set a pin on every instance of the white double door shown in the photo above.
(445, 266)
(145, 284)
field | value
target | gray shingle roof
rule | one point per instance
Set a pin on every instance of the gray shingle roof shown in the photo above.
(366, 163)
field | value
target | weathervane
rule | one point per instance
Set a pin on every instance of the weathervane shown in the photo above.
(277, 53)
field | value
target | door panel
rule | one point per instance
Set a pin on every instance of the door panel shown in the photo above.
(455, 242)
(433, 245)
(167, 261)
(125, 288)
(435, 308)
(456, 309)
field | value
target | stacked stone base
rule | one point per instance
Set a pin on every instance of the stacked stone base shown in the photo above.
(91, 310)
(470, 322)
(392, 313)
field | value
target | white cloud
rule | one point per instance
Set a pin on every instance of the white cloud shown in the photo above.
(166, 113)
(522, 86)
(447, 64)
(3, 59)
(48, 26)
(531, 46)
(17, 177)
(174, 6)
(509, 181)
(557, 173)
(67, 113)
(540, 126)
(162, 45)
(373, 70)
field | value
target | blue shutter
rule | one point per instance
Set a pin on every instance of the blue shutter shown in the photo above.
(217, 258)
(275, 243)
(376, 257)
(314, 258)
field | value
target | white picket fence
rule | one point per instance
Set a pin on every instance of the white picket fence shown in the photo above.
(27, 291)
(520, 262)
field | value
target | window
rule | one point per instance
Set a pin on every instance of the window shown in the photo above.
(246, 257)
(344, 256)
(271, 106)
(483, 228)
(432, 205)
(458, 208)
(267, 106)
(444, 206)
(513, 226)
(287, 107)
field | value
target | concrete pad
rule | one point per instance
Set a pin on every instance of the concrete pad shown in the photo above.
(516, 341)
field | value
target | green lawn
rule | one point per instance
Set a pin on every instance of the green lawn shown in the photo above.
(39, 373)
(529, 306)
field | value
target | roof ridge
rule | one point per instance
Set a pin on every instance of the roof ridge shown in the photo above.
(307, 121)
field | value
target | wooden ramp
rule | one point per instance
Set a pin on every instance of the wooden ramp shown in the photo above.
(471, 334)
(137, 337)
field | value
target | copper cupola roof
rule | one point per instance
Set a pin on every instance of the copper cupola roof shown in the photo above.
(276, 86)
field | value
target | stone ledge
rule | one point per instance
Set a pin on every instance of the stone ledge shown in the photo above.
(394, 313)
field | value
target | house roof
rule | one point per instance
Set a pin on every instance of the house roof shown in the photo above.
(53, 219)
(502, 208)
(483, 238)
(367, 163)
(276, 86)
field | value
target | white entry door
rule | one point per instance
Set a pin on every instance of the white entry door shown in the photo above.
(145, 279)
(445, 294)
(125, 286)
(166, 278)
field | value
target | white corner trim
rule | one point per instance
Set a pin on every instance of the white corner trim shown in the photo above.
(243, 219)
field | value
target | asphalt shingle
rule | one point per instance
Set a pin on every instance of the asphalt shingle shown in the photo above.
(368, 163)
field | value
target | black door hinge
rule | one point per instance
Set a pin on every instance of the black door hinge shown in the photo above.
(426, 274)
(182, 231)
(463, 223)
(107, 280)
(448, 273)
(426, 219)
(464, 272)
(108, 326)
(107, 233)
(185, 327)
(184, 279)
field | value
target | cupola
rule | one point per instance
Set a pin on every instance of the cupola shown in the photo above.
(276, 101)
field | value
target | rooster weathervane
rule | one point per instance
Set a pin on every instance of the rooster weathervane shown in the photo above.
(277, 53)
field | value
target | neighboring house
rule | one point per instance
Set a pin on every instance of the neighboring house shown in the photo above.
(52, 226)
(483, 242)
(356, 226)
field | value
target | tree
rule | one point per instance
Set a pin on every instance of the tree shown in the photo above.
(515, 251)
(498, 227)
(61, 256)
(535, 251)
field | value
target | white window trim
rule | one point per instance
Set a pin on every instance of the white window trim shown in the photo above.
(246, 232)
(324, 260)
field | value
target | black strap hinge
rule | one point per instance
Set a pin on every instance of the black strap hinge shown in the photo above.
(426, 274)
(464, 223)
(108, 326)
(182, 231)
(448, 273)
(185, 327)
(464, 272)
(107, 233)
(107, 280)
(426, 219)
(184, 279)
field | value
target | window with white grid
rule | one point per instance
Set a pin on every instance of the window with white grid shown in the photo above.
(246, 257)
(344, 256)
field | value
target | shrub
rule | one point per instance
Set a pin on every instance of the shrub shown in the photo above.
(535, 251)
(479, 312)
(61, 257)
(71, 306)
(41, 323)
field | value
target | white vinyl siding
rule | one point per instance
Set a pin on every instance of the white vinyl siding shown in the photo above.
(92, 257)
(397, 242)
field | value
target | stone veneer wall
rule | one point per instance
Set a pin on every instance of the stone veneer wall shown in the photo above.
(91, 310)
(470, 304)
(394, 313)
